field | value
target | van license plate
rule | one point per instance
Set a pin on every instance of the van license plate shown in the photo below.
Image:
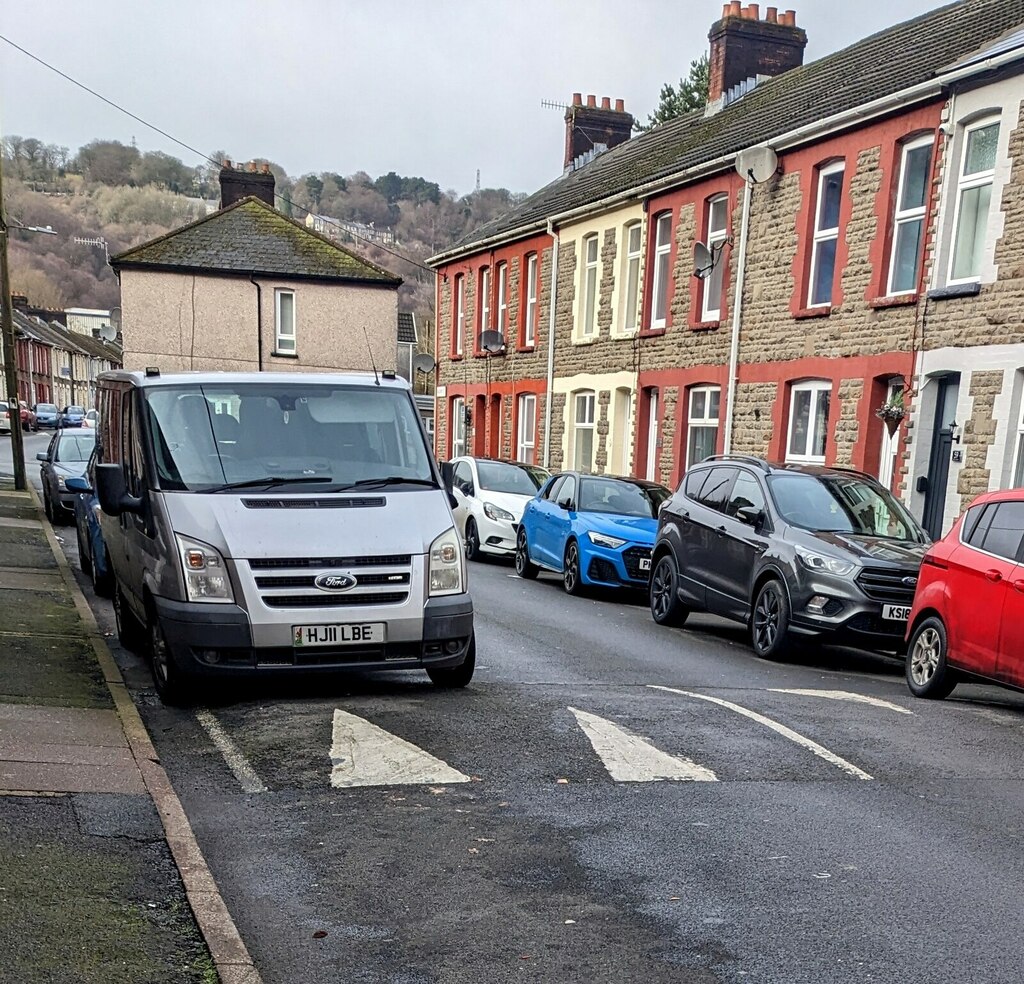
(337, 635)
(898, 613)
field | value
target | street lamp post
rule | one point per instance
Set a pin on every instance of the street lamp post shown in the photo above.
(10, 353)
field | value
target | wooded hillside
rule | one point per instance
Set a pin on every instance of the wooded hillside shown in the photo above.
(115, 192)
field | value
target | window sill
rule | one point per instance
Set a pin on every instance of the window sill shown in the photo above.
(705, 325)
(652, 332)
(585, 341)
(284, 355)
(526, 349)
(814, 312)
(456, 358)
(973, 289)
(899, 300)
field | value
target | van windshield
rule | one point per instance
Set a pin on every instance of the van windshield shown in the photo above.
(208, 436)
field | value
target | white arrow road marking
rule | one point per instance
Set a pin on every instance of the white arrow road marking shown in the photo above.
(781, 729)
(236, 761)
(629, 758)
(844, 695)
(364, 755)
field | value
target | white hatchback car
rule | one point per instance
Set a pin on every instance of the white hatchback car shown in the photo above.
(491, 496)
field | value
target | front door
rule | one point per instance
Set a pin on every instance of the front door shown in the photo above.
(942, 451)
(494, 431)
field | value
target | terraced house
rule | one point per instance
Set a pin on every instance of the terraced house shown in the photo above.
(860, 213)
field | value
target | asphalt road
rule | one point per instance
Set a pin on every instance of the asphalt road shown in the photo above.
(548, 864)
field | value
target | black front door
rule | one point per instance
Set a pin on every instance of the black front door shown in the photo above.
(942, 451)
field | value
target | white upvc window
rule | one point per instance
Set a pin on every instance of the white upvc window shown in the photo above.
(485, 301)
(808, 421)
(660, 287)
(631, 309)
(284, 322)
(652, 435)
(590, 277)
(973, 200)
(1018, 470)
(457, 427)
(526, 435)
(502, 298)
(702, 423)
(530, 329)
(909, 220)
(890, 441)
(826, 235)
(718, 221)
(460, 313)
(583, 431)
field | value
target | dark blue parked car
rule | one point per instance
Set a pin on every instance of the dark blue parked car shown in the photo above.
(47, 415)
(72, 416)
(92, 551)
(591, 529)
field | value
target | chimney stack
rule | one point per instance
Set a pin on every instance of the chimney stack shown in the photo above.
(743, 46)
(246, 180)
(591, 127)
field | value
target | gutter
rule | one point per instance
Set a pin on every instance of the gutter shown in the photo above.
(551, 342)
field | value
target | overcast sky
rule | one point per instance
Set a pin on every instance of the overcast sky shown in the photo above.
(436, 89)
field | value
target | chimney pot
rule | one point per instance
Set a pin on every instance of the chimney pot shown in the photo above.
(734, 8)
(755, 11)
(252, 167)
(606, 103)
(620, 106)
(265, 169)
(577, 98)
(791, 18)
(246, 181)
(591, 102)
(772, 15)
(227, 163)
(585, 129)
(725, 10)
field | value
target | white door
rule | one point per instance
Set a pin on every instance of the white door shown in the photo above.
(652, 436)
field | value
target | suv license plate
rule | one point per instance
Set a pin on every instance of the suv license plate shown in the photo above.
(645, 563)
(337, 635)
(898, 613)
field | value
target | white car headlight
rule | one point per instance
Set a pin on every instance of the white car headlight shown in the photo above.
(447, 573)
(822, 562)
(206, 577)
(603, 540)
(494, 512)
(61, 483)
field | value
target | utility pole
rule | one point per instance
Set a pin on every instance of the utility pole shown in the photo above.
(10, 353)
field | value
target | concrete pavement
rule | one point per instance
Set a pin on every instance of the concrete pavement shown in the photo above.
(90, 828)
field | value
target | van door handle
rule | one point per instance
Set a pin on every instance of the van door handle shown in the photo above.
(994, 576)
(1018, 586)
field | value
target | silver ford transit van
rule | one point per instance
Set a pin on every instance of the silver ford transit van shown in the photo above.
(262, 522)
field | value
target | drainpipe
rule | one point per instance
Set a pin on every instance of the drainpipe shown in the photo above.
(551, 343)
(259, 321)
(737, 315)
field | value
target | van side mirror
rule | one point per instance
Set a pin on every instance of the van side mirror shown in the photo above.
(111, 491)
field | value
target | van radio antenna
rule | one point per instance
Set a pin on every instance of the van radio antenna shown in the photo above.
(369, 348)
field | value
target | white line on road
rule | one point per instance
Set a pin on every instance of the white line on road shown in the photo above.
(844, 695)
(236, 761)
(629, 758)
(364, 755)
(811, 746)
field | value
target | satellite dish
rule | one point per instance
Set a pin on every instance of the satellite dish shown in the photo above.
(424, 363)
(757, 164)
(492, 341)
(703, 261)
(107, 332)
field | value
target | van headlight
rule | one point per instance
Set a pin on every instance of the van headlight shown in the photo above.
(447, 569)
(206, 577)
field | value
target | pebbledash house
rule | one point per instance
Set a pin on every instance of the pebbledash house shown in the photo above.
(825, 265)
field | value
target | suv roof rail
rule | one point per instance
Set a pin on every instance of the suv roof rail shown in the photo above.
(853, 471)
(748, 458)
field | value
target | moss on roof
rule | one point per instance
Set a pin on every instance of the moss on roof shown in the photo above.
(252, 237)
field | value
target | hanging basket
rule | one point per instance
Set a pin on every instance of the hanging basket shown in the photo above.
(892, 424)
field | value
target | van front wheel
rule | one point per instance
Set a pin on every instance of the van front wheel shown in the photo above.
(173, 685)
(455, 677)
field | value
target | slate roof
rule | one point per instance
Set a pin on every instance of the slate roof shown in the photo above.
(406, 328)
(895, 59)
(55, 334)
(252, 237)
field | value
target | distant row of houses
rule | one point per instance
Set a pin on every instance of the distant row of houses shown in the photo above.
(825, 266)
(59, 354)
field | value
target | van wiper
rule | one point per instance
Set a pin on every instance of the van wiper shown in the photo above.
(389, 480)
(268, 482)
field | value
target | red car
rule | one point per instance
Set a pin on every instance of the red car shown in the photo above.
(968, 614)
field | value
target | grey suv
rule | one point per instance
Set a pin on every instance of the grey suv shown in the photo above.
(787, 549)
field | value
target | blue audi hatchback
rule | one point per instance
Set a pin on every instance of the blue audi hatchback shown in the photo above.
(591, 529)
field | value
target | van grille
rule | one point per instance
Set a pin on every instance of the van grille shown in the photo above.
(886, 584)
(290, 582)
(332, 502)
